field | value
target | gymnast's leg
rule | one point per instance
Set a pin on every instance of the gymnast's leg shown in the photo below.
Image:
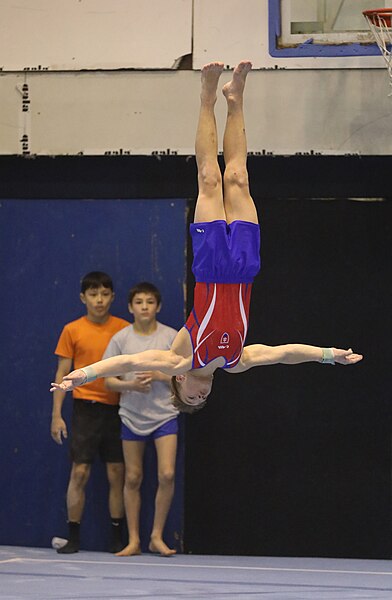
(238, 203)
(209, 206)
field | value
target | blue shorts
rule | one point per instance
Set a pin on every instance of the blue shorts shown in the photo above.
(225, 253)
(169, 428)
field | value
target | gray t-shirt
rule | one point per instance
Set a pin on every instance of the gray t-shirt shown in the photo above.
(142, 412)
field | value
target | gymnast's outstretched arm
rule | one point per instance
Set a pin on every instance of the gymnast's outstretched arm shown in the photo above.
(292, 354)
(166, 361)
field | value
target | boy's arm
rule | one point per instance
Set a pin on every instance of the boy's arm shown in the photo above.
(115, 384)
(58, 426)
(140, 383)
(159, 376)
(293, 354)
(166, 361)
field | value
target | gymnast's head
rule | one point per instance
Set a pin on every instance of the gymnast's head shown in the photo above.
(190, 392)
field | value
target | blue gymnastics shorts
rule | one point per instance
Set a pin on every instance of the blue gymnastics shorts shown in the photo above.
(168, 428)
(225, 253)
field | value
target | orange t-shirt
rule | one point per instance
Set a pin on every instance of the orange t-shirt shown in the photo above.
(85, 342)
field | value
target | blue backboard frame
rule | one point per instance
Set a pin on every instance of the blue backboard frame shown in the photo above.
(308, 48)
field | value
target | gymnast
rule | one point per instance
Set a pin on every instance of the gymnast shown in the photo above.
(226, 247)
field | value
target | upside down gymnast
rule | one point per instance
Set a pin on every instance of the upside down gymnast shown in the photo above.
(226, 245)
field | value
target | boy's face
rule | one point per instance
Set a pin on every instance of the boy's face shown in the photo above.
(144, 308)
(98, 301)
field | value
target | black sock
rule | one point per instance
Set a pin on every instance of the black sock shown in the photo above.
(73, 539)
(117, 543)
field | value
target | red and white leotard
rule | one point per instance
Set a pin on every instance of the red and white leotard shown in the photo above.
(218, 322)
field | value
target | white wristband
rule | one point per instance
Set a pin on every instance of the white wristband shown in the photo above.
(90, 374)
(328, 356)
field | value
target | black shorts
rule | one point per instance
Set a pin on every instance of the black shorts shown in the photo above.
(96, 429)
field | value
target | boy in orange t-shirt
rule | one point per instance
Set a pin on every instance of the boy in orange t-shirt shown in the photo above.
(95, 421)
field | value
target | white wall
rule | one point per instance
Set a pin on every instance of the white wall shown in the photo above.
(328, 111)
(71, 35)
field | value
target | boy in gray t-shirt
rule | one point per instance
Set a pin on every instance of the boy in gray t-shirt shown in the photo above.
(146, 412)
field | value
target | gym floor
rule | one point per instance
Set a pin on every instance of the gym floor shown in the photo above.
(42, 573)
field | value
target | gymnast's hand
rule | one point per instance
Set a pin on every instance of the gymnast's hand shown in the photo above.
(346, 357)
(70, 381)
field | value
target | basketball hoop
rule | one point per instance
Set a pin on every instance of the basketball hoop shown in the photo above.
(380, 24)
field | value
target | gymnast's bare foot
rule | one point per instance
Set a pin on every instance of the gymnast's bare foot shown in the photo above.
(233, 90)
(158, 545)
(210, 74)
(133, 549)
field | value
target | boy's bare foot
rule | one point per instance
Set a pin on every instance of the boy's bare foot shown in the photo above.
(234, 88)
(159, 546)
(210, 74)
(132, 549)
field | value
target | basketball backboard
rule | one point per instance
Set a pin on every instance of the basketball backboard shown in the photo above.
(286, 34)
(322, 33)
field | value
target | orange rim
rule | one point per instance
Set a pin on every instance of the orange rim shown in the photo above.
(376, 13)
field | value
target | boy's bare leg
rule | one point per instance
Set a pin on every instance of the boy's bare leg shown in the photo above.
(80, 474)
(133, 455)
(166, 447)
(209, 206)
(79, 477)
(115, 475)
(238, 202)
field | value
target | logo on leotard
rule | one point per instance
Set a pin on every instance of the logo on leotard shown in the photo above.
(199, 230)
(224, 341)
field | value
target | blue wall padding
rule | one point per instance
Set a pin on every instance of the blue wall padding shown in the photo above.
(46, 247)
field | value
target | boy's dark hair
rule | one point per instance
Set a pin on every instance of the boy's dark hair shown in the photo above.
(178, 403)
(144, 287)
(94, 280)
